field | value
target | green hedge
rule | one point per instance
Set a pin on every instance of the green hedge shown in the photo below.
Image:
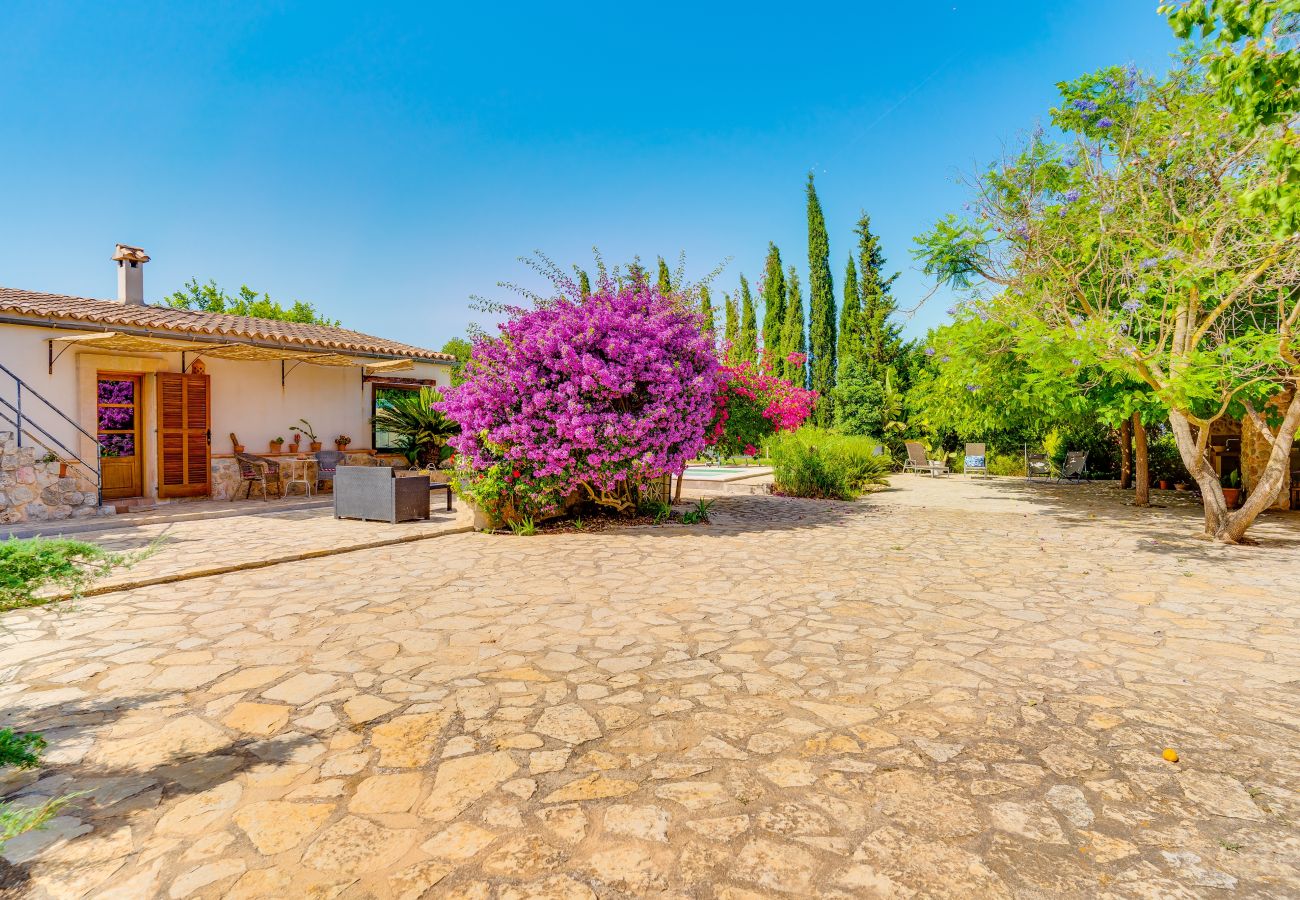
(822, 464)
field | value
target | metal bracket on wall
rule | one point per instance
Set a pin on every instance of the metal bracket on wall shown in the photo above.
(54, 357)
(284, 373)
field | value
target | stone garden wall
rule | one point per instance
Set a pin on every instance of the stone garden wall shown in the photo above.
(1255, 450)
(32, 491)
(225, 471)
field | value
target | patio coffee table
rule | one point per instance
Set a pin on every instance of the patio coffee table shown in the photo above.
(441, 486)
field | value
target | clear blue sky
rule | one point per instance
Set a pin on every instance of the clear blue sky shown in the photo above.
(386, 162)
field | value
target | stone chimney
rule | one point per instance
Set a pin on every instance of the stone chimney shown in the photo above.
(130, 274)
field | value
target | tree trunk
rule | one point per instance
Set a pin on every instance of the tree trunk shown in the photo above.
(1141, 473)
(1126, 454)
(677, 495)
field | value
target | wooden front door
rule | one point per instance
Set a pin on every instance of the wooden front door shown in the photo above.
(117, 422)
(184, 439)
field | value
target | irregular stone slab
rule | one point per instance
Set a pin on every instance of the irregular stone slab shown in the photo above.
(463, 780)
(206, 876)
(629, 869)
(722, 828)
(930, 868)
(523, 856)
(275, 826)
(26, 847)
(198, 813)
(593, 787)
(779, 867)
(356, 846)
(843, 716)
(366, 707)
(459, 841)
(301, 688)
(407, 742)
(177, 738)
(935, 808)
(694, 795)
(386, 793)
(1027, 820)
(257, 718)
(1219, 794)
(1070, 802)
(414, 882)
(787, 772)
(568, 823)
(648, 823)
(569, 723)
(555, 887)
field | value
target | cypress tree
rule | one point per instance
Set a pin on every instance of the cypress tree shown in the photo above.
(731, 331)
(773, 304)
(665, 279)
(584, 284)
(821, 305)
(881, 339)
(747, 342)
(793, 339)
(706, 310)
(850, 346)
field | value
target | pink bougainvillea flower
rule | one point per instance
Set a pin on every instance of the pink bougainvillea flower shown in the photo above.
(599, 392)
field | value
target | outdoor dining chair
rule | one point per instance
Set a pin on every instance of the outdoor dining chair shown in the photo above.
(256, 470)
(327, 462)
(976, 462)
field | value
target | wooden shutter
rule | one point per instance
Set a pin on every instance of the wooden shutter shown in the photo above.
(184, 441)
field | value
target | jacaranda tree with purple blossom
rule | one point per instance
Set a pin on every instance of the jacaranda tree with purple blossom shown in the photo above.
(587, 397)
(1142, 247)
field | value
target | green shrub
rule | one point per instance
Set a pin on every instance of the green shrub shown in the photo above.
(824, 465)
(698, 515)
(23, 750)
(1006, 463)
(30, 564)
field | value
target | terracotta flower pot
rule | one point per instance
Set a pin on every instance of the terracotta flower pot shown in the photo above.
(277, 446)
(1231, 496)
(63, 470)
(1164, 485)
(239, 448)
(315, 445)
(1180, 486)
(340, 447)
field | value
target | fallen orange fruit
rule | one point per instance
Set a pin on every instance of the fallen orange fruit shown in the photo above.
(1170, 754)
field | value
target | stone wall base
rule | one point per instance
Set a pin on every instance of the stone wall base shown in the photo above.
(32, 491)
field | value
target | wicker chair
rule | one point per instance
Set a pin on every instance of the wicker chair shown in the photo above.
(327, 461)
(257, 470)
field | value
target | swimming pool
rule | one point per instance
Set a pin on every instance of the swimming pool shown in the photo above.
(719, 471)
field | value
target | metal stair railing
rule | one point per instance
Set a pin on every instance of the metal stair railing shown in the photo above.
(13, 414)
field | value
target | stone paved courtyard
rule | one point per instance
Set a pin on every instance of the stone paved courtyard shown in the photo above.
(948, 689)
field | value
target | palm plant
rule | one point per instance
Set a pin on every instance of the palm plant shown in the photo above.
(421, 430)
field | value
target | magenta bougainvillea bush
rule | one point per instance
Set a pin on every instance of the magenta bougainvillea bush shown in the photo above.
(754, 403)
(590, 396)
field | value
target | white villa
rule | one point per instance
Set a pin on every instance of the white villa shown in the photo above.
(116, 401)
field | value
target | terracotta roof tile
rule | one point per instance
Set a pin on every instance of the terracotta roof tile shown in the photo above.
(165, 320)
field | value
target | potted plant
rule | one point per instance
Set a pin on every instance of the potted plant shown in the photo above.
(341, 442)
(1232, 488)
(234, 442)
(293, 445)
(307, 430)
(277, 444)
